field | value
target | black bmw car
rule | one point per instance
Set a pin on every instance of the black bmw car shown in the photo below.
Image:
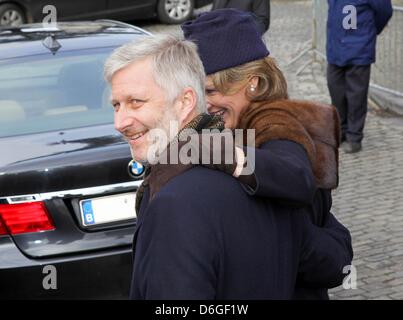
(66, 198)
(16, 12)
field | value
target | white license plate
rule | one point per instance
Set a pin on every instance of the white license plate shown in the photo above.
(108, 209)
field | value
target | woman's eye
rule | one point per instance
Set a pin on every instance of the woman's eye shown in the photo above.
(210, 91)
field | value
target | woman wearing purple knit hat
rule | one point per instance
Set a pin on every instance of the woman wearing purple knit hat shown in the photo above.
(245, 86)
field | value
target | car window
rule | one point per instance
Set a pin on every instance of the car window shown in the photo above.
(53, 92)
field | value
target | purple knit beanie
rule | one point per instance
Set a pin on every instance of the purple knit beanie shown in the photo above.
(225, 38)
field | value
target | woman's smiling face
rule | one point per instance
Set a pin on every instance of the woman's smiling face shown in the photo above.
(228, 106)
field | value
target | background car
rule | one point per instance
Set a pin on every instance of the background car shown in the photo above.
(17, 12)
(66, 197)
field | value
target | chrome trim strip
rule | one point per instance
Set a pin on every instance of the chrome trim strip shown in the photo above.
(123, 24)
(68, 193)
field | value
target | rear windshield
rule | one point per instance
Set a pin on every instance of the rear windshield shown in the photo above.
(51, 93)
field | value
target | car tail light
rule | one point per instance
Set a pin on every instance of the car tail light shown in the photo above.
(3, 230)
(25, 217)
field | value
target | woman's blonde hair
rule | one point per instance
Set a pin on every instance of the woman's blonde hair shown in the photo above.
(272, 84)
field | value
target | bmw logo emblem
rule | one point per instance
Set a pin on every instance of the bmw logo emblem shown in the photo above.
(136, 169)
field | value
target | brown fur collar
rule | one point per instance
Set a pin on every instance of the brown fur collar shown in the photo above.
(313, 125)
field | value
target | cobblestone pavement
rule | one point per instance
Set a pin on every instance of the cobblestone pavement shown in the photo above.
(369, 200)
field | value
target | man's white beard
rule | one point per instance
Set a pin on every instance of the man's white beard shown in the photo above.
(158, 138)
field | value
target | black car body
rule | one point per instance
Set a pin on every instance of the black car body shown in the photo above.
(58, 148)
(32, 10)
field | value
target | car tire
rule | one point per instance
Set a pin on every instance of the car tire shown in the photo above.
(175, 11)
(11, 15)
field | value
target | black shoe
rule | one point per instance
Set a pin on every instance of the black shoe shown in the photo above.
(351, 147)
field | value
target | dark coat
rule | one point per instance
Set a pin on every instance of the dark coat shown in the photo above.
(283, 173)
(259, 8)
(203, 237)
(356, 46)
(290, 163)
(321, 216)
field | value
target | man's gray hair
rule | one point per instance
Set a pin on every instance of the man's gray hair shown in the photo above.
(175, 64)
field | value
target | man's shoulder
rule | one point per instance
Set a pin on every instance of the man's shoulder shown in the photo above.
(204, 182)
(201, 188)
(198, 197)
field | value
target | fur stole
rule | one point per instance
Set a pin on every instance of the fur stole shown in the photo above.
(313, 125)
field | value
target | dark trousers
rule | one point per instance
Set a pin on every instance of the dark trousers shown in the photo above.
(348, 88)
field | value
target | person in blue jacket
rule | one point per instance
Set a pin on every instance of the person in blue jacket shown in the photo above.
(352, 30)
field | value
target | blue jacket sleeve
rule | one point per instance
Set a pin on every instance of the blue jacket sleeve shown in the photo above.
(383, 12)
(283, 172)
(325, 253)
(175, 253)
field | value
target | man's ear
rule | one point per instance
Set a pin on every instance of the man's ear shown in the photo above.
(186, 105)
